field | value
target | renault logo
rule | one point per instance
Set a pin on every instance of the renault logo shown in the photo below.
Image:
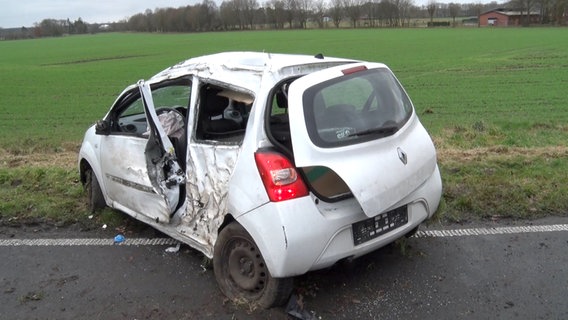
(402, 155)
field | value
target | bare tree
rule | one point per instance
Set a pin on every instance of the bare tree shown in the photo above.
(318, 12)
(476, 8)
(545, 7)
(290, 7)
(371, 12)
(353, 10)
(336, 12)
(404, 9)
(395, 13)
(431, 8)
(229, 15)
(275, 13)
(454, 9)
(559, 10)
(388, 13)
(303, 8)
(248, 9)
(525, 6)
(208, 13)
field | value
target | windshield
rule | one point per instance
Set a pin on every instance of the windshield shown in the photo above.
(359, 107)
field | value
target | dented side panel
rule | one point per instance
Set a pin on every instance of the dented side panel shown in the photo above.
(209, 170)
(126, 177)
(210, 167)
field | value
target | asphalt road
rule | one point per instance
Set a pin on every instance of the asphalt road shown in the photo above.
(519, 274)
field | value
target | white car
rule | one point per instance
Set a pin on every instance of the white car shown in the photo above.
(272, 165)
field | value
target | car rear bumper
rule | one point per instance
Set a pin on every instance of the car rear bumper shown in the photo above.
(305, 234)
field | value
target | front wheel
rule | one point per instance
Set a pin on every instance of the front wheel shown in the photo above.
(241, 272)
(95, 198)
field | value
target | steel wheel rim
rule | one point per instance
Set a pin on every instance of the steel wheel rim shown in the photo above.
(246, 269)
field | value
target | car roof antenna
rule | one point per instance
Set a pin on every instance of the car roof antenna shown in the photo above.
(319, 56)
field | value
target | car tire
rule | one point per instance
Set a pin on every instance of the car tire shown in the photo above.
(95, 198)
(241, 272)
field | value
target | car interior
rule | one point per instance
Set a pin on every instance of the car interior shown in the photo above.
(171, 101)
(223, 114)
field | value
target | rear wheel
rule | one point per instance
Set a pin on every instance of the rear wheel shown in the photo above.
(95, 198)
(241, 272)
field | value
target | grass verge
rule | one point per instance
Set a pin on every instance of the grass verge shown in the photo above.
(44, 188)
(482, 183)
(500, 182)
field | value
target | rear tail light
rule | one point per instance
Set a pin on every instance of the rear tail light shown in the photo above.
(279, 176)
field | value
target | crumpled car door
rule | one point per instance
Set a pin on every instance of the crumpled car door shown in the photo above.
(164, 170)
(379, 171)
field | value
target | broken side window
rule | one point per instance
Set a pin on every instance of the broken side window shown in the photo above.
(223, 114)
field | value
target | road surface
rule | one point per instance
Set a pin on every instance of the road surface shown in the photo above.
(491, 271)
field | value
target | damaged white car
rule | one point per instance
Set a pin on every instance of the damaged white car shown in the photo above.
(272, 165)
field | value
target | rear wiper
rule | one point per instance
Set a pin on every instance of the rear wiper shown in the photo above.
(388, 130)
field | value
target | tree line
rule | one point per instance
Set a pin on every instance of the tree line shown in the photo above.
(295, 14)
(287, 14)
(301, 14)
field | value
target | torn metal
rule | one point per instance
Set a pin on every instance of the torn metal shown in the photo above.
(208, 175)
(163, 169)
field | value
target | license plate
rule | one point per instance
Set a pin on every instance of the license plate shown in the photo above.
(371, 228)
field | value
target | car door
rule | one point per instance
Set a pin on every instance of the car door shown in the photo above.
(162, 163)
(220, 113)
(358, 121)
(141, 172)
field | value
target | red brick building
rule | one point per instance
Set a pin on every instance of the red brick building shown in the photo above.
(506, 17)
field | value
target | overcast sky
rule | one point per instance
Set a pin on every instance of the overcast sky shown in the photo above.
(18, 13)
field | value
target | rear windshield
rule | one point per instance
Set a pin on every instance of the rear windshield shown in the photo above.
(359, 107)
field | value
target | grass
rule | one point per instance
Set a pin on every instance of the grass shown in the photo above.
(29, 193)
(502, 182)
(493, 100)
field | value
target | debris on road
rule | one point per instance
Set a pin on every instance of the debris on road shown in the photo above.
(295, 308)
(119, 238)
(173, 249)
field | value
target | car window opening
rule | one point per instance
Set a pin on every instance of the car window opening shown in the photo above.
(223, 114)
(171, 101)
(279, 121)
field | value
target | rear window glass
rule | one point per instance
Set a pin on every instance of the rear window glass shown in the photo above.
(359, 107)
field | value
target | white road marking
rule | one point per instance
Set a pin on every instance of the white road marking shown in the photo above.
(170, 241)
(87, 242)
(489, 231)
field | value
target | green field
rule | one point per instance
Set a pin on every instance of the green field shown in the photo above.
(494, 100)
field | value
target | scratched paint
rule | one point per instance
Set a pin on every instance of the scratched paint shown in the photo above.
(208, 174)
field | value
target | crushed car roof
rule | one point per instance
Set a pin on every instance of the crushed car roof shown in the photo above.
(245, 69)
